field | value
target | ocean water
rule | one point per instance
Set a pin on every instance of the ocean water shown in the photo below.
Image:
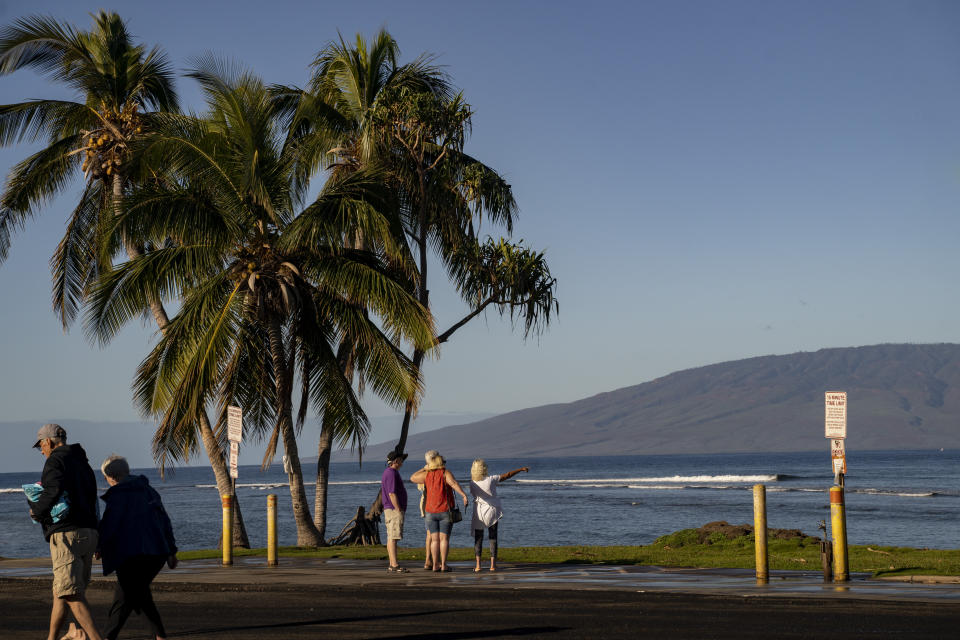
(905, 498)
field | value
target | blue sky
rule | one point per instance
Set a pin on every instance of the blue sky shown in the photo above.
(711, 181)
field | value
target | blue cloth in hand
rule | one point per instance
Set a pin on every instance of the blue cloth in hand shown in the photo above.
(58, 510)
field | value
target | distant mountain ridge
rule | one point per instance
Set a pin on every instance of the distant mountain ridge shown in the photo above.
(900, 396)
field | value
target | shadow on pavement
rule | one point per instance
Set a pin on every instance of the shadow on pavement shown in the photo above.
(308, 623)
(486, 633)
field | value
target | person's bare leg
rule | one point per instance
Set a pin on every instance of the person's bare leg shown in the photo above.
(428, 555)
(392, 552)
(444, 550)
(58, 616)
(81, 612)
(435, 550)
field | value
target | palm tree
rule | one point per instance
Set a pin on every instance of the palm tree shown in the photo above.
(363, 109)
(331, 130)
(123, 88)
(267, 292)
(448, 194)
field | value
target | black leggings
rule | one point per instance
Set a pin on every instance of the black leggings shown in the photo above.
(133, 594)
(478, 540)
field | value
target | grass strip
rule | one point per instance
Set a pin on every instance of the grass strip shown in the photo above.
(681, 549)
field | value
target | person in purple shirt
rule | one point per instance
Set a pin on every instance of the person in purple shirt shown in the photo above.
(394, 497)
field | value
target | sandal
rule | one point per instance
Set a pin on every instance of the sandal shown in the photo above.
(446, 569)
(75, 633)
(397, 569)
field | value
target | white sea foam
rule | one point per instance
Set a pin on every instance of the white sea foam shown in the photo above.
(902, 494)
(664, 487)
(660, 479)
(795, 489)
(275, 485)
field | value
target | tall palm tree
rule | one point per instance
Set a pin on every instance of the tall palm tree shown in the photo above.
(363, 109)
(121, 85)
(122, 88)
(448, 194)
(331, 130)
(267, 291)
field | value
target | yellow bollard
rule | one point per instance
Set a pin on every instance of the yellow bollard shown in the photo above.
(227, 502)
(838, 526)
(272, 530)
(760, 532)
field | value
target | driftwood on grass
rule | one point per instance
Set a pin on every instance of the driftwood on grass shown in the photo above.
(363, 529)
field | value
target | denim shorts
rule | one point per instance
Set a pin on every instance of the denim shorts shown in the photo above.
(439, 522)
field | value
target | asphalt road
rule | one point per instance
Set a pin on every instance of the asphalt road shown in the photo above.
(241, 612)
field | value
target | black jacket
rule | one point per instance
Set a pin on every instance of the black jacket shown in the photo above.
(134, 524)
(67, 470)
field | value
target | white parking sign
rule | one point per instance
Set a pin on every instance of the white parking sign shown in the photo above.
(835, 418)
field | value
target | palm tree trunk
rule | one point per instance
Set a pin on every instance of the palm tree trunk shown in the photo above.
(214, 452)
(408, 407)
(323, 478)
(324, 449)
(307, 533)
(424, 298)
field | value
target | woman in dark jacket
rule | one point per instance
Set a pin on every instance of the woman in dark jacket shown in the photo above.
(136, 539)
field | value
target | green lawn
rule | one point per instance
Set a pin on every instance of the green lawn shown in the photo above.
(680, 549)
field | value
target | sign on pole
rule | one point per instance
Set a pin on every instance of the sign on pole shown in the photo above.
(234, 458)
(234, 424)
(835, 403)
(838, 454)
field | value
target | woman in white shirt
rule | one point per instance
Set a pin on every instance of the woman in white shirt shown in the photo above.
(486, 507)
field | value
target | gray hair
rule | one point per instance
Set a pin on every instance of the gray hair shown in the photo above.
(115, 467)
(430, 454)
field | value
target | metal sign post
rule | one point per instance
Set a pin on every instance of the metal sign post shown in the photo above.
(835, 428)
(235, 436)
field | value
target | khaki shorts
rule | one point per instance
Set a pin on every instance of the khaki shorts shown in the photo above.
(393, 518)
(72, 555)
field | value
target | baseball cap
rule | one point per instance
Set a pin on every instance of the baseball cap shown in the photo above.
(393, 455)
(49, 431)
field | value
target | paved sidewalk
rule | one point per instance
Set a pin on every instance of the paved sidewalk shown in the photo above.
(305, 599)
(302, 572)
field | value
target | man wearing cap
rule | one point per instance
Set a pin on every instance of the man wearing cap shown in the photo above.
(73, 538)
(394, 505)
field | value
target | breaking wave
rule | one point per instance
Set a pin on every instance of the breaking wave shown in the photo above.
(275, 485)
(605, 482)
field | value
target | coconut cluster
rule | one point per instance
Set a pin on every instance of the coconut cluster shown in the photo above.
(106, 147)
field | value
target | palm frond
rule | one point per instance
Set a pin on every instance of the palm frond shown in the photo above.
(75, 264)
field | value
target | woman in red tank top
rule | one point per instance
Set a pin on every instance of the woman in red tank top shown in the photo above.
(439, 487)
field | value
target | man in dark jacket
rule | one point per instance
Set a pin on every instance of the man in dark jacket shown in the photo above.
(73, 538)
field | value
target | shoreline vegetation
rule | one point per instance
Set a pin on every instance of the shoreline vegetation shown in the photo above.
(788, 550)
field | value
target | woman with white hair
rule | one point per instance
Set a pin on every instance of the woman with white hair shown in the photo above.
(439, 506)
(136, 539)
(486, 507)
